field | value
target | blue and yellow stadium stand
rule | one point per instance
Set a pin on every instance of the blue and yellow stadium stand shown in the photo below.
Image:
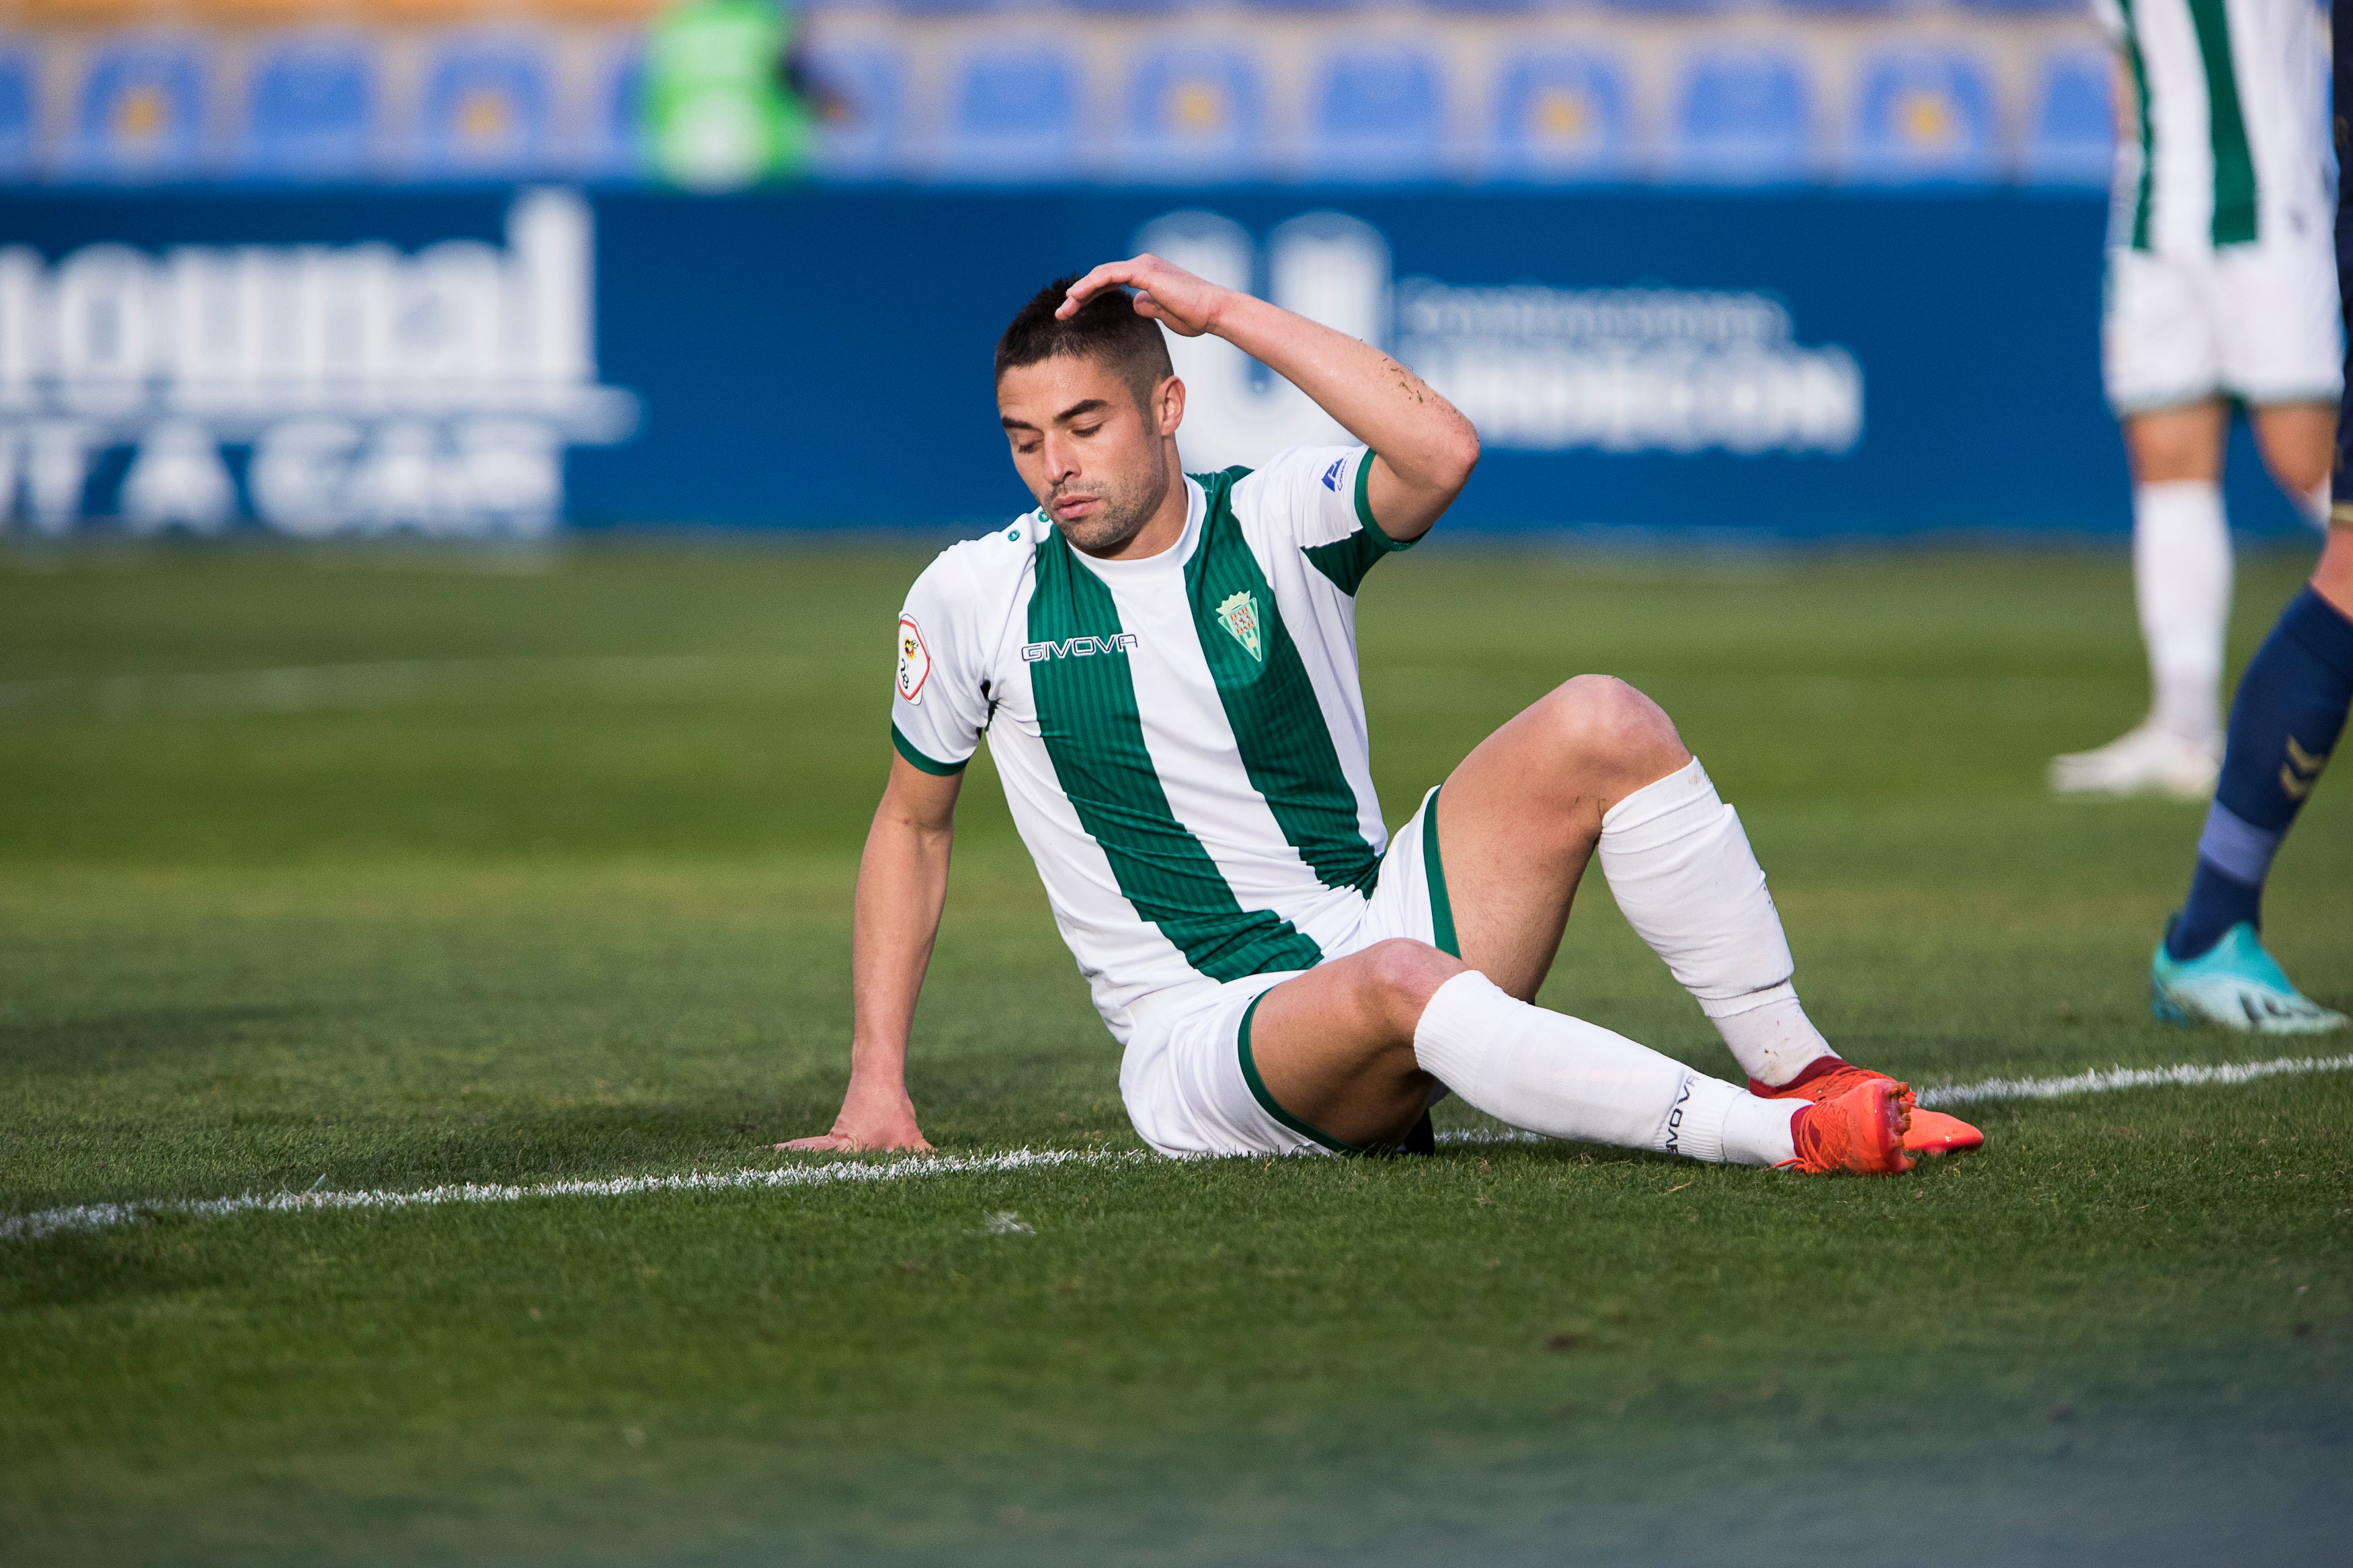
(1378, 114)
(1014, 115)
(1924, 114)
(1743, 115)
(1194, 111)
(311, 107)
(1713, 93)
(1561, 114)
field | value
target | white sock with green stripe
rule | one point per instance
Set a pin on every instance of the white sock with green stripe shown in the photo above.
(1564, 1078)
(1679, 863)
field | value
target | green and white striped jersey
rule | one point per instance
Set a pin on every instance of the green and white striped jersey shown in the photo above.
(1182, 738)
(2226, 129)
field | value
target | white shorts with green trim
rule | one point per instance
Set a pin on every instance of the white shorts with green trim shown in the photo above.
(2257, 322)
(1190, 1085)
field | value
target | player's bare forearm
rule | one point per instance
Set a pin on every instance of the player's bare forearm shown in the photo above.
(902, 881)
(1425, 448)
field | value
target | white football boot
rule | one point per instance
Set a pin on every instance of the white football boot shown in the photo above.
(2149, 760)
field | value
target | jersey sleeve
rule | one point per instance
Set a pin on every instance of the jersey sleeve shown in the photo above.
(1315, 498)
(941, 705)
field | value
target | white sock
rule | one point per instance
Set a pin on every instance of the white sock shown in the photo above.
(1564, 1078)
(2182, 581)
(1680, 866)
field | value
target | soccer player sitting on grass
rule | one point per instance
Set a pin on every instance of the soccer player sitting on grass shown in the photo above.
(1165, 665)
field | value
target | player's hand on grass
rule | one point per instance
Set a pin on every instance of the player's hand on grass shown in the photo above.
(1185, 304)
(869, 1122)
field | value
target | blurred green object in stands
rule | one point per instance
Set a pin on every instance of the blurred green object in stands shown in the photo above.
(721, 111)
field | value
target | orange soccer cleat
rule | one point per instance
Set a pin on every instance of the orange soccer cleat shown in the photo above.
(1859, 1130)
(1931, 1133)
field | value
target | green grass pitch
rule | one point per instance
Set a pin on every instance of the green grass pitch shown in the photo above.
(528, 867)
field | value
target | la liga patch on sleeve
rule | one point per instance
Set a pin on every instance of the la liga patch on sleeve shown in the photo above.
(914, 660)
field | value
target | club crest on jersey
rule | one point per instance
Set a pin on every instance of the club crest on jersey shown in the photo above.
(914, 660)
(1238, 616)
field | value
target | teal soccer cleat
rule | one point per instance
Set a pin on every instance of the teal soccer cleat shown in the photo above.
(2237, 985)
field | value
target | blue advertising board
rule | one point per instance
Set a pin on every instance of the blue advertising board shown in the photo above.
(1800, 363)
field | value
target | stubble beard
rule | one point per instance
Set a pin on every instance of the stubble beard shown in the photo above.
(1123, 511)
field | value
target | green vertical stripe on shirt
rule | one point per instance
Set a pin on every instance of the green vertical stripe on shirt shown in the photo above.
(1088, 716)
(1285, 743)
(2235, 166)
(2147, 133)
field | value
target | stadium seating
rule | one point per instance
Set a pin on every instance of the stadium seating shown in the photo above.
(142, 111)
(419, 90)
(1560, 115)
(1669, 7)
(1743, 116)
(1513, 6)
(862, 134)
(1923, 116)
(310, 110)
(1013, 116)
(484, 111)
(20, 114)
(1376, 115)
(1194, 111)
(2073, 139)
(614, 145)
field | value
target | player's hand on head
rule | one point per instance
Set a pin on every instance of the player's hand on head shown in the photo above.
(1165, 291)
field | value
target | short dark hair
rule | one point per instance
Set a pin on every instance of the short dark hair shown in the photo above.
(1106, 328)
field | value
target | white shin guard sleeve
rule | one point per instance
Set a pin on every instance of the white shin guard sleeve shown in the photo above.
(1680, 866)
(1565, 1077)
(2182, 585)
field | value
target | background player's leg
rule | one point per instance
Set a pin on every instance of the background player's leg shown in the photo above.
(2285, 722)
(2298, 441)
(1352, 1047)
(2181, 587)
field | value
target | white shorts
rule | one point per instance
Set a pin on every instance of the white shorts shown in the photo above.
(1187, 1077)
(2256, 322)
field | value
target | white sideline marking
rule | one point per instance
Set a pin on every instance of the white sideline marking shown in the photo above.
(2097, 1083)
(104, 1216)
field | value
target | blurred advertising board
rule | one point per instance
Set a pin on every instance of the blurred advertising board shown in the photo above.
(501, 363)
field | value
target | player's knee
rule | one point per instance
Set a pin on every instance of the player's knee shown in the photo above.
(1402, 974)
(1605, 724)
